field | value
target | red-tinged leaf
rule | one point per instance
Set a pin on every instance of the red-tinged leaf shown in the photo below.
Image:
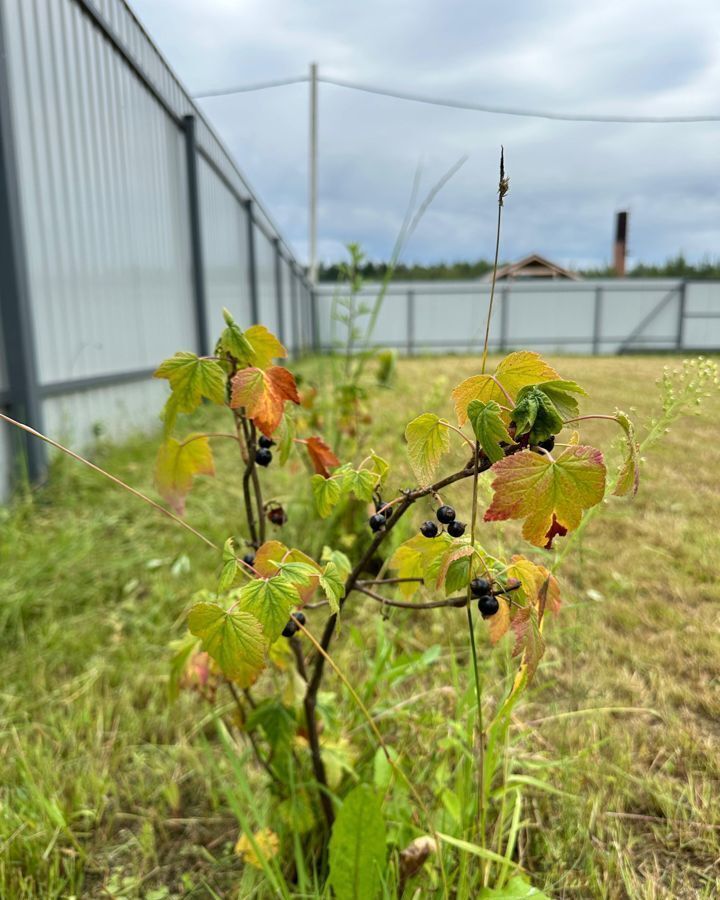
(499, 624)
(550, 494)
(263, 394)
(528, 640)
(272, 552)
(177, 464)
(321, 456)
(536, 582)
(555, 530)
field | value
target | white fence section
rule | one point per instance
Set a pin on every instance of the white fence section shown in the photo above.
(125, 226)
(601, 317)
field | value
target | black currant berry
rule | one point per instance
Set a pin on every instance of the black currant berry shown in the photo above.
(263, 457)
(479, 587)
(456, 529)
(429, 529)
(488, 605)
(290, 629)
(548, 443)
(300, 617)
(266, 442)
(249, 558)
(446, 515)
(377, 521)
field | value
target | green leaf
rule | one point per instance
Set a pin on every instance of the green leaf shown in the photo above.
(561, 394)
(283, 436)
(489, 428)
(516, 889)
(418, 558)
(427, 439)
(535, 414)
(339, 559)
(270, 601)
(297, 573)
(326, 492)
(233, 639)
(254, 347)
(550, 494)
(333, 584)
(176, 466)
(357, 846)
(379, 466)
(628, 479)
(360, 482)
(191, 378)
(229, 567)
(277, 722)
(182, 650)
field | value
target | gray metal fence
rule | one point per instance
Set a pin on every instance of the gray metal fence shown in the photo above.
(125, 227)
(586, 317)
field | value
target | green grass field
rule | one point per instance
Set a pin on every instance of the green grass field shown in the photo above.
(107, 790)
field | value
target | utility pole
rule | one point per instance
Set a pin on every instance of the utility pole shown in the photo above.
(313, 186)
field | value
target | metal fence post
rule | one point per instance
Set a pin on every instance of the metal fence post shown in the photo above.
(682, 299)
(279, 290)
(252, 263)
(314, 320)
(294, 312)
(410, 323)
(198, 269)
(17, 328)
(597, 321)
(504, 318)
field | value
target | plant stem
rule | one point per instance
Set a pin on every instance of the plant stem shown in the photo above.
(502, 190)
(457, 602)
(241, 428)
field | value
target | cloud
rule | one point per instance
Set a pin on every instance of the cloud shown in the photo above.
(649, 57)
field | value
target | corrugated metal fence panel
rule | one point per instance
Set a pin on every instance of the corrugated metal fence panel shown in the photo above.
(290, 330)
(224, 239)
(267, 295)
(5, 432)
(701, 328)
(102, 175)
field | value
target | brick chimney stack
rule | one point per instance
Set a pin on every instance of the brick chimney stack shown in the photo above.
(620, 247)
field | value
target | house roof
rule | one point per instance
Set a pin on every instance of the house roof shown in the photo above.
(535, 266)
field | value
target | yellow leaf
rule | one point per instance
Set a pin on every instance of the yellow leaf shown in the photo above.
(499, 624)
(533, 578)
(265, 346)
(427, 439)
(514, 372)
(177, 464)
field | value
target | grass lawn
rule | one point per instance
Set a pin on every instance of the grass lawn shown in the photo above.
(108, 790)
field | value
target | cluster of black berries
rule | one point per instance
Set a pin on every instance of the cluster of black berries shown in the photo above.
(446, 516)
(487, 603)
(291, 629)
(263, 456)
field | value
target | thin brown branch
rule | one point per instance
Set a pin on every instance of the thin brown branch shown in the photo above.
(457, 602)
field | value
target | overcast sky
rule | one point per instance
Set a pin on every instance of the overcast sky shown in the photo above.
(646, 57)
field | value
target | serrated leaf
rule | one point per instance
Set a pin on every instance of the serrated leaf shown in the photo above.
(490, 431)
(535, 415)
(360, 482)
(550, 494)
(234, 640)
(416, 558)
(275, 550)
(628, 479)
(333, 584)
(357, 846)
(284, 437)
(255, 346)
(176, 466)
(528, 640)
(535, 580)
(326, 493)
(297, 573)
(379, 466)
(427, 439)
(321, 456)
(263, 394)
(339, 559)
(229, 566)
(561, 393)
(191, 378)
(270, 602)
(453, 554)
(514, 372)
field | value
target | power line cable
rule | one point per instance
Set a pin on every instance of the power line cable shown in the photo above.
(466, 105)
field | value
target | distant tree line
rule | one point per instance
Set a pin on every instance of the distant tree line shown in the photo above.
(675, 267)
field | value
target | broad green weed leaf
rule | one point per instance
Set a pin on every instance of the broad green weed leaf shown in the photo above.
(263, 394)
(357, 846)
(490, 431)
(270, 602)
(233, 639)
(333, 584)
(514, 372)
(327, 493)
(550, 494)
(629, 476)
(427, 439)
(516, 889)
(177, 464)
